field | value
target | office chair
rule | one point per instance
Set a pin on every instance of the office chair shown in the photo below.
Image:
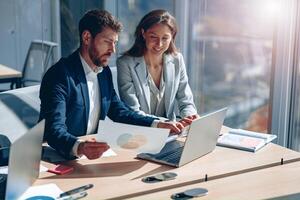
(36, 62)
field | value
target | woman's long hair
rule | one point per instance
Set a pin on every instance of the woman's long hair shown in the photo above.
(154, 17)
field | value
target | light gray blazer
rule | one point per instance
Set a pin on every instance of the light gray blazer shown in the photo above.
(135, 92)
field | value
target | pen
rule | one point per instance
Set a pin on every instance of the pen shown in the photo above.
(76, 190)
(73, 197)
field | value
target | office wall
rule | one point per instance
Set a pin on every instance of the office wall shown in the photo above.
(21, 22)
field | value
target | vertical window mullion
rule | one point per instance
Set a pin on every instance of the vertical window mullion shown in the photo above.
(283, 61)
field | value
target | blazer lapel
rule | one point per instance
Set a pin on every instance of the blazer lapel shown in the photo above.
(83, 86)
(169, 76)
(141, 71)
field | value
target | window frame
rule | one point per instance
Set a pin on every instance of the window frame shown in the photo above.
(284, 61)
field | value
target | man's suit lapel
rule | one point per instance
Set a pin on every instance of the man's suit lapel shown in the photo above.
(141, 71)
(169, 77)
(83, 84)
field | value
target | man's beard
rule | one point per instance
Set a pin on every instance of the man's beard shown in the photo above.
(96, 60)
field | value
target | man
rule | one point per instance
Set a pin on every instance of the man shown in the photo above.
(78, 91)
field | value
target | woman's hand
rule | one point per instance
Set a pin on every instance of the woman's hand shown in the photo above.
(186, 121)
(175, 127)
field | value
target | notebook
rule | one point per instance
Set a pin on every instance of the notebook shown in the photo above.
(245, 140)
(201, 139)
(24, 161)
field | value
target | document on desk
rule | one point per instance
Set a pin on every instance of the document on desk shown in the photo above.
(245, 140)
(130, 137)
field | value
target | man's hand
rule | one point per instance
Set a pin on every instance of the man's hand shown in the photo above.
(92, 149)
(175, 127)
(188, 120)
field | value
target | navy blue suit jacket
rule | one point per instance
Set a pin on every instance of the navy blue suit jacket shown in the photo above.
(65, 103)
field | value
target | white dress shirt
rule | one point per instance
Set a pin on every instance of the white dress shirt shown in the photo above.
(157, 96)
(94, 96)
(94, 100)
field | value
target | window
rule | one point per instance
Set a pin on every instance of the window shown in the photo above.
(70, 14)
(295, 113)
(131, 12)
(229, 59)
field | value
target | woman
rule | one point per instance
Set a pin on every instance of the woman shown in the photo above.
(152, 74)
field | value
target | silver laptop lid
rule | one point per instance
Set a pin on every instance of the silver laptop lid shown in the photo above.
(24, 161)
(202, 137)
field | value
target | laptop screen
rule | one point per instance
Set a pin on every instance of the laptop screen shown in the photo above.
(201, 139)
(24, 161)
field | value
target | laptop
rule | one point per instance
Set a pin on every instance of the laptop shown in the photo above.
(24, 161)
(201, 139)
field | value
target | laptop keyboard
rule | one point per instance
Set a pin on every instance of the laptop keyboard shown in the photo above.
(171, 156)
(171, 152)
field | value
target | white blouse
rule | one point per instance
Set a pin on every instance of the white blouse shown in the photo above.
(157, 96)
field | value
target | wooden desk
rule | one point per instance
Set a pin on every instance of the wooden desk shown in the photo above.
(9, 75)
(279, 182)
(120, 176)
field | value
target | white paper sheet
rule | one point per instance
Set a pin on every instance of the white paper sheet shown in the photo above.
(48, 190)
(136, 138)
(43, 168)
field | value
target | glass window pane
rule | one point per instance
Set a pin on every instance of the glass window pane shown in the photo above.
(70, 14)
(295, 113)
(21, 23)
(229, 58)
(131, 12)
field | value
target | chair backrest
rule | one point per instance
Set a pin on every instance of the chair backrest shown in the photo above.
(37, 61)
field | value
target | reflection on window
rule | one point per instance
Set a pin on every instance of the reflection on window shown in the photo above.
(70, 14)
(131, 12)
(295, 113)
(229, 58)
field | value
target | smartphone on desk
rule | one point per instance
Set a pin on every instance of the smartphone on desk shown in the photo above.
(61, 169)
